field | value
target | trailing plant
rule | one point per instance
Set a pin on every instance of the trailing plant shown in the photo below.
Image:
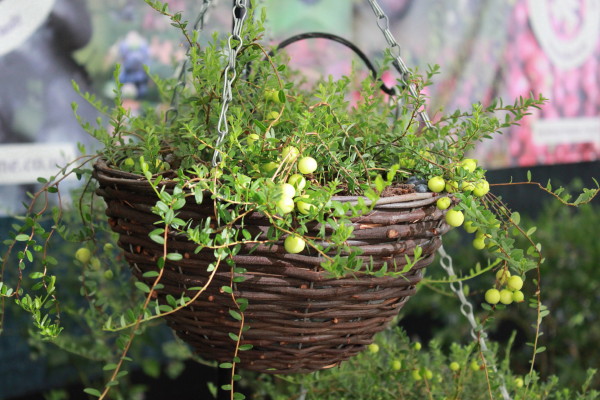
(396, 368)
(568, 275)
(288, 149)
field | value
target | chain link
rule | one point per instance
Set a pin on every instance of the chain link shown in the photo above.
(240, 10)
(467, 310)
(383, 22)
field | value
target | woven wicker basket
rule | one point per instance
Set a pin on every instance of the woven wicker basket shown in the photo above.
(300, 319)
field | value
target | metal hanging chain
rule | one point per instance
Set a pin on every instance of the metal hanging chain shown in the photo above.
(383, 22)
(467, 310)
(240, 10)
(171, 113)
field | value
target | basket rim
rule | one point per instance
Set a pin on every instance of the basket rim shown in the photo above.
(104, 172)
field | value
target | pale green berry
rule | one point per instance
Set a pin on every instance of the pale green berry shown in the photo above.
(468, 225)
(506, 296)
(373, 348)
(443, 203)
(436, 184)
(307, 165)
(492, 296)
(518, 296)
(294, 244)
(455, 217)
(287, 190)
(502, 275)
(83, 255)
(514, 283)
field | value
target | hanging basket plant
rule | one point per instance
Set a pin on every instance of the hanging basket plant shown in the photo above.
(272, 224)
(302, 317)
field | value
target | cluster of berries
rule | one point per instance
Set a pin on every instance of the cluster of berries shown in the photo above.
(511, 291)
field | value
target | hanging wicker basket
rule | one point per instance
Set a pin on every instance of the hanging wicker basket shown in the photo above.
(300, 318)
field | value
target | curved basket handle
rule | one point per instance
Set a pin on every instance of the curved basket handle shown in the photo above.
(330, 36)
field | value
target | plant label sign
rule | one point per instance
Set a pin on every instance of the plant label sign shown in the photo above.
(24, 163)
(566, 130)
(19, 19)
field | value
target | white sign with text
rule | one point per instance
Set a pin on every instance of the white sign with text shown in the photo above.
(566, 130)
(19, 19)
(24, 163)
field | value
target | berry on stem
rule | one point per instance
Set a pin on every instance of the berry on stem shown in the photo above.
(297, 181)
(443, 203)
(451, 187)
(468, 164)
(514, 283)
(502, 275)
(83, 255)
(469, 228)
(479, 242)
(436, 184)
(287, 190)
(518, 296)
(455, 217)
(290, 153)
(519, 382)
(272, 115)
(252, 138)
(416, 375)
(506, 296)
(492, 296)
(373, 348)
(285, 205)
(307, 165)
(294, 244)
(482, 187)
(304, 207)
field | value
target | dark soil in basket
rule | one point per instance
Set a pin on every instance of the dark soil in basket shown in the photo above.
(398, 190)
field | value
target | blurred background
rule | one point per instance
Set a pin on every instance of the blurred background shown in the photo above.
(485, 49)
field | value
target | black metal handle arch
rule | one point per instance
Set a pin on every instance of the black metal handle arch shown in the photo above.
(330, 36)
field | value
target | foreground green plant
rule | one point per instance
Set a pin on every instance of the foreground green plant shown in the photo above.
(398, 371)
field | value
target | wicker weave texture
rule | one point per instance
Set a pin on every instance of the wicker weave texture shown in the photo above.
(300, 318)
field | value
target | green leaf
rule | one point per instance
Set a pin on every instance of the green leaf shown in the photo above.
(281, 93)
(198, 195)
(174, 256)
(22, 237)
(109, 367)
(262, 127)
(92, 392)
(142, 286)
(227, 289)
(236, 315)
(515, 218)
